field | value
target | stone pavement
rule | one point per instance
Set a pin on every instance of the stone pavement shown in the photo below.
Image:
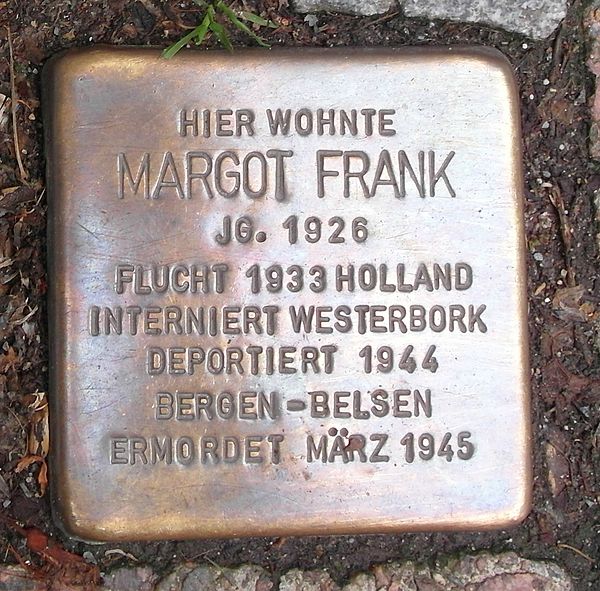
(478, 572)
(535, 18)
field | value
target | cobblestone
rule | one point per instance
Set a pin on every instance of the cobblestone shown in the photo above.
(478, 572)
(535, 18)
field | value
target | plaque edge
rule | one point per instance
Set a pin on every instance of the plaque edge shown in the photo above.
(55, 72)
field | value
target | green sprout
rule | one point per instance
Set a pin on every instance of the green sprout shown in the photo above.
(209, 25)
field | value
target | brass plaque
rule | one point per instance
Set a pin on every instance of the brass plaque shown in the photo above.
(287, 292)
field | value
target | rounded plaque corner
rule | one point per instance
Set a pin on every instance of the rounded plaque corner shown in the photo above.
(61, 64)
(494, 59)
(73, 524)
(519, 510)
(65, 65)
(81, 530)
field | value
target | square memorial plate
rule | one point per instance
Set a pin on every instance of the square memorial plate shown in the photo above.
(287, 292)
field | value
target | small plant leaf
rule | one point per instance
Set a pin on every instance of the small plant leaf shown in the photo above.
(209, 23)
(170, 51)
(232, 16)
(258, 20)
(221, 34)
(203, 29)
(198, 34)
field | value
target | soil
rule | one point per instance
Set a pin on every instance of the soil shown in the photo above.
(563, 265)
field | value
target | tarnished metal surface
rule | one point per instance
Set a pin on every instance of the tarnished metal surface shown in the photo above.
(270, 329)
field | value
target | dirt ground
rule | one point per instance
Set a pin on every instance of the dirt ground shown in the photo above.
(563, 266)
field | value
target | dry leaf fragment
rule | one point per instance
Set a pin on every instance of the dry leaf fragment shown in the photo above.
(568, 305)
(42, 478)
